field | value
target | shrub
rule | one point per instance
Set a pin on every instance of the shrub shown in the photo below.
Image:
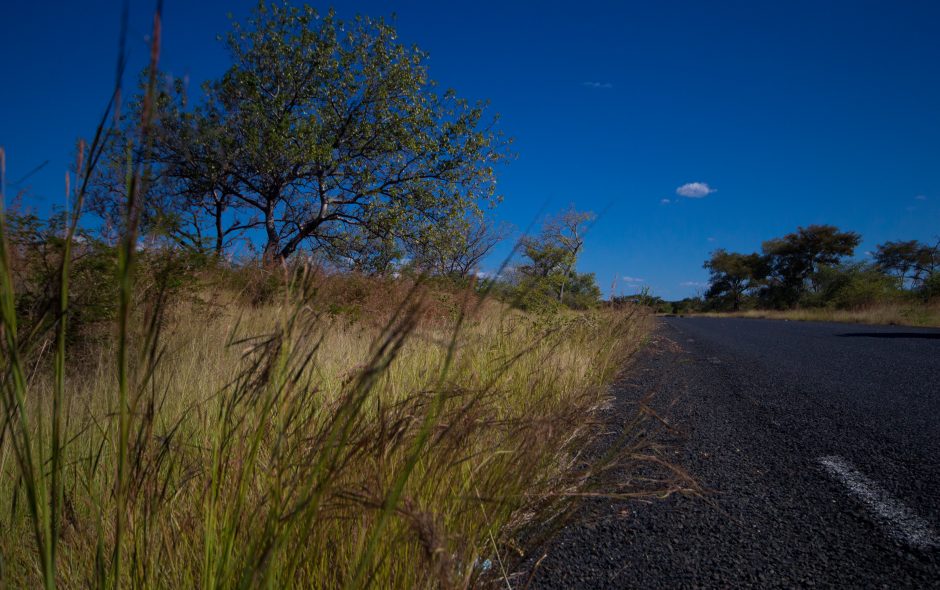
(852, 286)
(930, 289)
(36, 248)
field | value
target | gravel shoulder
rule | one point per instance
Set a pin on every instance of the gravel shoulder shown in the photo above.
(754, 410)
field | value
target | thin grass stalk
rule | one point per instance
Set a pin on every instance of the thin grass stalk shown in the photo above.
(137, 174)
(58, 391)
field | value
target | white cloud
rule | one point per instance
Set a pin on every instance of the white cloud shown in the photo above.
(710, 239)
(602, 85)
(665, 201)
(633, 280)
(694, 190)
(869, 254)
(692, 284)
(921, 197)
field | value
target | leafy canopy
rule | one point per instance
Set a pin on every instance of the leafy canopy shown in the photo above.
(733, 274)
(549, 271)
(327, 135)
(797, 256)
(908, 260)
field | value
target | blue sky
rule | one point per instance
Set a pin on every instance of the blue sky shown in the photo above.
(791, 112)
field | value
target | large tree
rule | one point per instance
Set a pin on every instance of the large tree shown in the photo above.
(796, 257)
(185, 198)
(323, 134)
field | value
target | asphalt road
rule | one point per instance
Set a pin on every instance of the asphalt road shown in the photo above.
(818, 445)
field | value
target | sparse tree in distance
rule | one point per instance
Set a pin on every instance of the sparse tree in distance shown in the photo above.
(552, 256)
(910, 260)
(733, 275)
(568, 230)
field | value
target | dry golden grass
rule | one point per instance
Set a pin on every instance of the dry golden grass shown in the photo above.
(886, 314)
(291, 445)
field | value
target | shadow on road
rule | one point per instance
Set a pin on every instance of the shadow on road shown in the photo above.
(922, 335)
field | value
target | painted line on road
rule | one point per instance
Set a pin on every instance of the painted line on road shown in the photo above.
(901, 522)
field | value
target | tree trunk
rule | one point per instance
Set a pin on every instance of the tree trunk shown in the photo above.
(219, 234)
(272, 249)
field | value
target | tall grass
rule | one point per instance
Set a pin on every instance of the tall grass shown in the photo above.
(209, 443)
(286, 446)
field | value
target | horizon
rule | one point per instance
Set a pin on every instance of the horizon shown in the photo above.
(688, 128)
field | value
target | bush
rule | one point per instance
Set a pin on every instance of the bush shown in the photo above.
(36, 256)
(852, 286)
(929, 290)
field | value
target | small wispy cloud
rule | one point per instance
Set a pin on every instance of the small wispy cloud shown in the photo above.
(921, 197)
(692, 284)
(633, 280)
(601, 85)
(695, 190)
(710, 239)
(665, 201)
(869, 254)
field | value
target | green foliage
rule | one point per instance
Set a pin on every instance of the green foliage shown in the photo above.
(581, 291)
(548, 277)
(805, 269)
(687, 305)
(911, 261)
(796, 257)
(930, 288)
(851, 286)
(323, 134)
(456, 252)
(37, 247)
(536, 294)
(281, 447)
(733, 276)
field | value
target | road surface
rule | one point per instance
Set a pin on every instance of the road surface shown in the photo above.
(819, 445)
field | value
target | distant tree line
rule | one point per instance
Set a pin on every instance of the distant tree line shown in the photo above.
(810, 268)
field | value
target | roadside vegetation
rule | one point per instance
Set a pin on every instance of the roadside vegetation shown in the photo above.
(810, 275)
(346, 431)
(885, 314)
(257, 349)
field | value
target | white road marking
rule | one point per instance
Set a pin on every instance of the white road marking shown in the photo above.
(901, 522)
